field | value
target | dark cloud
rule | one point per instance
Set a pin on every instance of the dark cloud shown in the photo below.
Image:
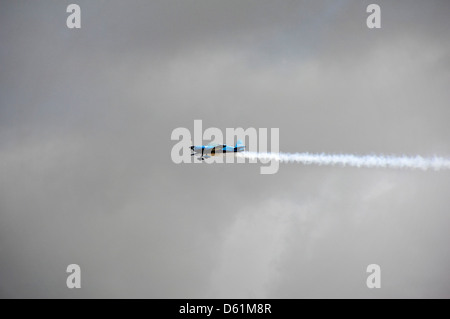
(85, 123)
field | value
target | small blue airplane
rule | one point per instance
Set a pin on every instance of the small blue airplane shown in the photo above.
(213, 148)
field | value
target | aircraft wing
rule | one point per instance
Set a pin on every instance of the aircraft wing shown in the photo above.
(217, 149)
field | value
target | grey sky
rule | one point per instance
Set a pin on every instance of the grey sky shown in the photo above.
(85, 123)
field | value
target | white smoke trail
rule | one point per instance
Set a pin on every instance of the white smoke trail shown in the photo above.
(369, 161)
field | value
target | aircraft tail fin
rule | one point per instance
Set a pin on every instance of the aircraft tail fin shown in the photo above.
(239, 143)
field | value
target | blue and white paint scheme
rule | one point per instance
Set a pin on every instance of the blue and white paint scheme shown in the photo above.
(206, 151)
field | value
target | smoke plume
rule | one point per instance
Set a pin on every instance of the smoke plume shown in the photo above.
(368, 161)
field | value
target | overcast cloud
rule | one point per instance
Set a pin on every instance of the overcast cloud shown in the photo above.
(86, 175)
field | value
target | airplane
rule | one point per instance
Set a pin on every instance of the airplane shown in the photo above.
(213, 148)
